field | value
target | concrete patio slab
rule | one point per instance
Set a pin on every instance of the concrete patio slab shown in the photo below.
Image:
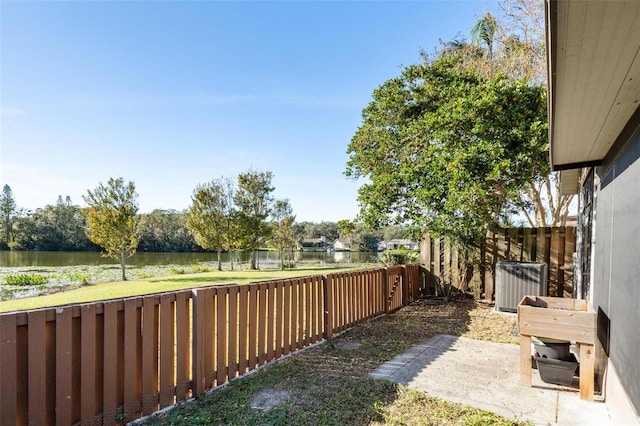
(486, 375)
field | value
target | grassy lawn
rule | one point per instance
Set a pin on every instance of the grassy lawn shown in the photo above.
(112, 290)
(328, 386)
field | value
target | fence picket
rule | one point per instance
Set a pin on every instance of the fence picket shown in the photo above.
(37, 368)
(271, 323)
(262, 323)
(132, 346)
(307, 311)
(570, 247)
(243, 325)
(222, 321)
(167, 350)
(279, 294)
(327, 289)
(253, 326)
(287, 317)
(183, 339)
(149, 355)
(8, 370)
(110, 362)
(232, 346)
(88, 362)
(198, 352)
(63, 367)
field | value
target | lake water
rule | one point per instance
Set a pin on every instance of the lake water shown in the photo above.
(62, 258)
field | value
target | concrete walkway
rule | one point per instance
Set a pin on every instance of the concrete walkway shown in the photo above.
(486, 375)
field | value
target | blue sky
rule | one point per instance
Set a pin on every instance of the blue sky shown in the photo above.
(173, 94)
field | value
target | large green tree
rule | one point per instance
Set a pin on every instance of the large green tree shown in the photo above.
(8, 211)
(112, 219)
(254, 201)
(442, 148)
(212, 214)
(512, 43)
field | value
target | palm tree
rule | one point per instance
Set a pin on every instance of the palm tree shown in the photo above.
(484, 31)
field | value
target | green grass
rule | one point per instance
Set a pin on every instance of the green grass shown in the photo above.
(25, 279)
(113, 290)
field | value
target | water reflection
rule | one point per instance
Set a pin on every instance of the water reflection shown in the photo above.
(61, 258)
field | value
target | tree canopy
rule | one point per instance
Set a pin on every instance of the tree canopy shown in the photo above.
(53, 228)
(442, 148)
(112, 219)
(212, 214)
(165, 230)
(513, 44)
(255, 204)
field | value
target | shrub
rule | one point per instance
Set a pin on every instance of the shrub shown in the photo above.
(177, 271)
(196, 269)
(26, 279)
(77, 277)
(398, 257)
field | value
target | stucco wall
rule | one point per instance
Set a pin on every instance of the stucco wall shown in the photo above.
(615, 280)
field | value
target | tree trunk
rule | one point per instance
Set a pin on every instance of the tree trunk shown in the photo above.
(219, 260)
(253, 259)
(123, 266)
(551, 209)
(281, 253)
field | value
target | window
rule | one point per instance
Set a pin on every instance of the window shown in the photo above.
(586, 226)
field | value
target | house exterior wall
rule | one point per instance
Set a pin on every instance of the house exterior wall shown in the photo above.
(615, 276)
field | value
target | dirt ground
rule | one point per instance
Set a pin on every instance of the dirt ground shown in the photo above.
(329, 383)
(385, 337)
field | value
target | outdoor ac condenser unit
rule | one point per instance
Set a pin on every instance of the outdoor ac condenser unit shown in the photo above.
(514, 280)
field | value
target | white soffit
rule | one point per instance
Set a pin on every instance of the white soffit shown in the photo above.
(594, 61)
(569, 181)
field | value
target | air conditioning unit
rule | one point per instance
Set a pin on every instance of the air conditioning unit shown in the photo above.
(514, 280)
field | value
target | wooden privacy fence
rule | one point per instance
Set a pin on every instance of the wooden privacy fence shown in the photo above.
(114, 361)
(553, 246)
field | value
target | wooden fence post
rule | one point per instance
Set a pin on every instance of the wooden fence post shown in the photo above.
(405, 286)
(88, 362)
(64, 366)
(198, 352)
(437, 264)
(328, 308)
(447, 262)
(37, 380)
(8, 369)
(385, 289)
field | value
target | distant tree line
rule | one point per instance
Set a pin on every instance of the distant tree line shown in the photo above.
(63, 227)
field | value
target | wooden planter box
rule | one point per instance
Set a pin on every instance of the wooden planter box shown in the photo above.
(558, 318)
